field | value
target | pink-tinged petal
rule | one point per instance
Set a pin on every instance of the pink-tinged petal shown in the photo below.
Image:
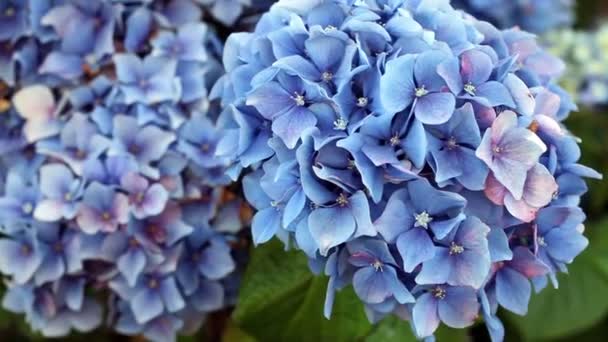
(495, 191)
(547, 103)
(460, 307)
(526, 263)
(35, 103)
(120, 207)
(89, 220)
(155, 199)
(49, 210)
(37, 130)
(134, 183)
(512, 175)
(472, 234)
(549, 126)
(520, 209)
(506, 121)
(540, 186)
(475, 66)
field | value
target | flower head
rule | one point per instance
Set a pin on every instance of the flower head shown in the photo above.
(384, 139)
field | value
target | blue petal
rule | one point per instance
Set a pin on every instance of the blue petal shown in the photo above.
(397, 84)
(435, 108)
(415, 247)
(217, 262)
(171, 296)
(424, 315)
(266, 223)
(291, 125)
(460, 307)
(294, 207)
(131, 264)
(138, 27)
(496, 94)
(146, 305)
(331, 227)
(513, 290)
(371, 285)
(62, 65)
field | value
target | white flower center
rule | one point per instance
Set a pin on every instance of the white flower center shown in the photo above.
(420, 92)
(340, 124)
(378, 265)
(422, 220)
(541, 241)
(327, 76)
(342, 200)
(470, 89)
(394, 141)
(300, 101)
(439, 292)
(362, 102)
(27, 208)
(451, 144)
(9, 11)
(456, 249)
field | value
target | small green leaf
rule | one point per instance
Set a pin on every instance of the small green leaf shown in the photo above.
(273, 286)
(348, 320)
(280, 300)
(391, 329)
(581, 300)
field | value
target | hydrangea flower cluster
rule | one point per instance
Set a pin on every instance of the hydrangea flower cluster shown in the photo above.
(112, 201)
(585, 53)
(537, 16)
(409, 150)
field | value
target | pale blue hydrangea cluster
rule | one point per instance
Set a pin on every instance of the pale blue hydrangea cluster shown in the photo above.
(536, 16)
(112, 208)
(586, 54)
(409, 150)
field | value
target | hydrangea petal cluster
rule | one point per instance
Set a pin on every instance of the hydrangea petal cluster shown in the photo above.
(536, 16)
(409, 150)
(585, 53)
(113, 206)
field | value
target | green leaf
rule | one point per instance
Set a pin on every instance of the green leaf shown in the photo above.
(273, 286)
(591, 128)
(233, 333)
(280, 300)
(391, 329)
(581, 300)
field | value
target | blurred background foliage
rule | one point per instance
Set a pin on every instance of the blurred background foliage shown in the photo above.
(281, 300)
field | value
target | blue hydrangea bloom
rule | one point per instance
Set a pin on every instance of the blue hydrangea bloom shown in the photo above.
(407, 149)
(112, 198)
